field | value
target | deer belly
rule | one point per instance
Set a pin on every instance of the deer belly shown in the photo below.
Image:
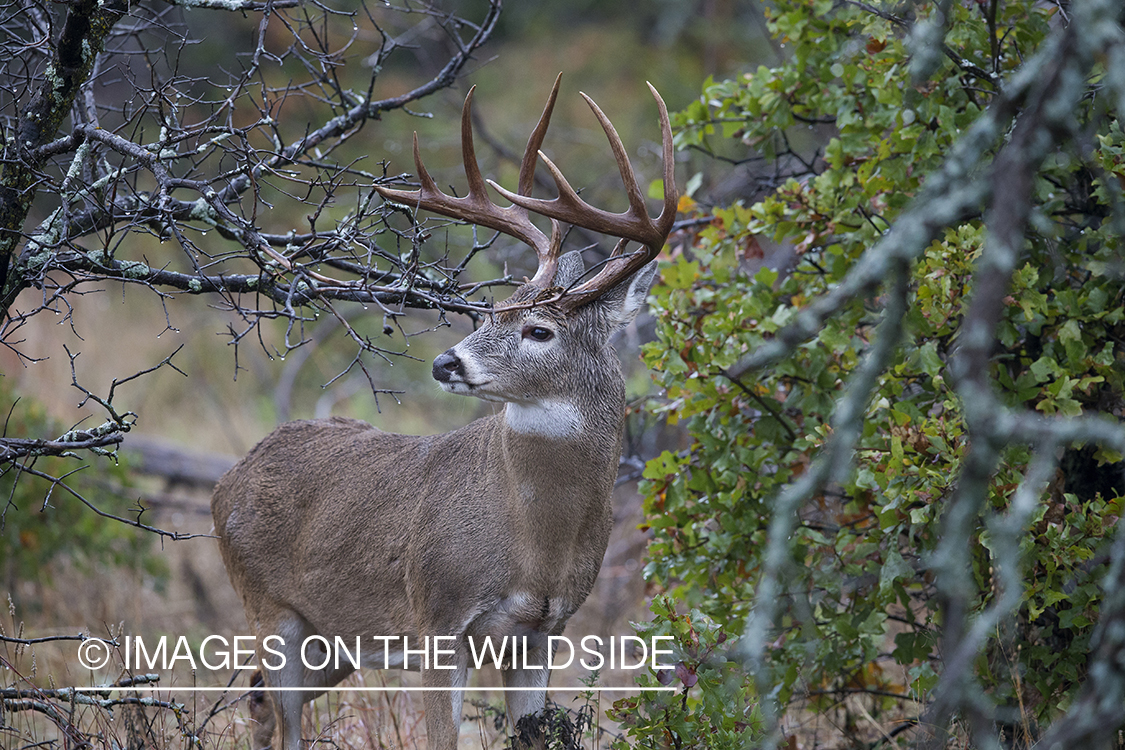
(523, 614)
(387, 653)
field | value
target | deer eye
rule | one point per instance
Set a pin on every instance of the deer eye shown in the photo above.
(539, 333)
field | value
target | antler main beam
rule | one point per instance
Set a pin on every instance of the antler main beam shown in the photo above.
(633, 225)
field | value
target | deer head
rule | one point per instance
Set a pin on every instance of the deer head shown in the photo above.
(532, 346)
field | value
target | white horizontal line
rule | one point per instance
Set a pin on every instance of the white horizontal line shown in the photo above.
(155, 689)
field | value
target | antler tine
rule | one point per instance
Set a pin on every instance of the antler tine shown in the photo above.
(628, 176)
(671, 199)
(549, 260)
(535, 141)
(476, 208)
(477, 190)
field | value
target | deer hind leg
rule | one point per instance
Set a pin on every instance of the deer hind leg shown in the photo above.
(261, 713)
(527, 704)
(287, 705)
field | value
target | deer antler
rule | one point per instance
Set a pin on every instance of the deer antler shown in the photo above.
(633, 225)
(476, 208)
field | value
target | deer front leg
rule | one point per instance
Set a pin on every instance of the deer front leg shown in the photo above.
(261, 713)
(526, 702)
(288, 705)
(443, 707)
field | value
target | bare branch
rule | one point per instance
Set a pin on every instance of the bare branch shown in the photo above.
(140, 173)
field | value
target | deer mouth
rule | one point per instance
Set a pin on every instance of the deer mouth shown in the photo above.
(466, 388)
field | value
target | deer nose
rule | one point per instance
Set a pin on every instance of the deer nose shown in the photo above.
(446, 366)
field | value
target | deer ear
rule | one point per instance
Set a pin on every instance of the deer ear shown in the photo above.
(571, 268)
(624, 301)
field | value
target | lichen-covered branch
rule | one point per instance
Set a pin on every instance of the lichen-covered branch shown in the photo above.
(88, 23)
(833, 461)
(992, 172)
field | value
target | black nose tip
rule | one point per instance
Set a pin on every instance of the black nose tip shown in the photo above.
(446, 366)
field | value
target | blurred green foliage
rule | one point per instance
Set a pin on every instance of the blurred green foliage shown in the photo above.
(44, 526)
(861, 615)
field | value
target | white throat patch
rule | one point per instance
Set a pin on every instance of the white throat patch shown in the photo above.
(550, 419)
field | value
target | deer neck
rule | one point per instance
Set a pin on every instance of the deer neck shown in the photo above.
(564, 446)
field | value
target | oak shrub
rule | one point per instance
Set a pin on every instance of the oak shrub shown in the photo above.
(860, 615)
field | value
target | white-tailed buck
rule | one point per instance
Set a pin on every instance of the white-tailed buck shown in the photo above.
(334, 528)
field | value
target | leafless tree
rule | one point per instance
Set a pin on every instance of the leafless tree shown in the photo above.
(128, 161)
